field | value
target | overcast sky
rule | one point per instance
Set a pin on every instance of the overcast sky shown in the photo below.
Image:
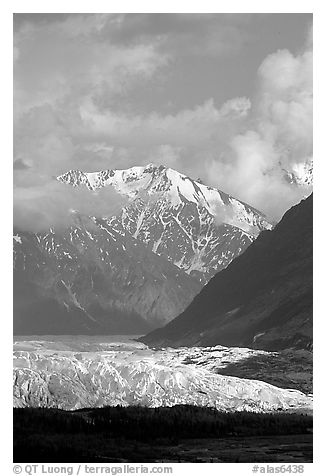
(227, 98)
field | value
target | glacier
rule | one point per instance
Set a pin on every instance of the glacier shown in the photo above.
(74, 374)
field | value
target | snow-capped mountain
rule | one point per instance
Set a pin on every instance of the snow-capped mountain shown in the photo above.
(198, 228)
(137, 270)
(72, 375)
(301, 174)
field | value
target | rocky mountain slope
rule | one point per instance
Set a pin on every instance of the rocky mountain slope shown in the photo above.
(93, 279)
(262, 300)
(135, 271)
(198, 228)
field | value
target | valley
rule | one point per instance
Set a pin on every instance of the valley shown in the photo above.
(163, 239)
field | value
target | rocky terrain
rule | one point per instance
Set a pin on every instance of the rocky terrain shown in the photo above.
(93, 279)
(135, 271)
(198, 228)
(262, 300)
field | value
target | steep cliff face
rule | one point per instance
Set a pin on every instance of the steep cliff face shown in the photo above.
(263, 299)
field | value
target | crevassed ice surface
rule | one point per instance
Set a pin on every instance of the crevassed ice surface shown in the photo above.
(76, 373)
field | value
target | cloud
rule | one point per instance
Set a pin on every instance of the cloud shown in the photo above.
(186, 140)
(77, 78)
(186, 34)
(70, 58)
(280, 137)
(53, 204)
(237, 107)
(285, 103)
(255, 175)
(58, 65)
(223, 215)
(187, 127)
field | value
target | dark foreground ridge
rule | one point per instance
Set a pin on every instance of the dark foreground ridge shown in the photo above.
(181, 433)
(263, 299)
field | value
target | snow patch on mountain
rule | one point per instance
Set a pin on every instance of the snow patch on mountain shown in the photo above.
(17, 239)
(177, 189)
(301, 174)
(198, 228)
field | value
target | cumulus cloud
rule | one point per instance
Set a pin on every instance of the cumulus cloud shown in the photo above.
(67, 59)
(237, 106)
(189, 127)
(76, 81)
(280, 138)
(255, 175)
(58, 65)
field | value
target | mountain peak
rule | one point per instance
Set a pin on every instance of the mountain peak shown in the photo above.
(197, 227)
(153, 179)
(151, 167)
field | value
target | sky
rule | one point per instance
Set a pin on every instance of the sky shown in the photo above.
(222, 97)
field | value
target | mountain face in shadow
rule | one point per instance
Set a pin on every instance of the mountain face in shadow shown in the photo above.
(91, 279)
(263, 299)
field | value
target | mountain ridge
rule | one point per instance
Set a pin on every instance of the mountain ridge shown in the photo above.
(145, 264)
(96, 279)
(262, 299)
(209, 227)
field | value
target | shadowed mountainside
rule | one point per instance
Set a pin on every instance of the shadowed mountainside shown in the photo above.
(90, 279)
(263, 299)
